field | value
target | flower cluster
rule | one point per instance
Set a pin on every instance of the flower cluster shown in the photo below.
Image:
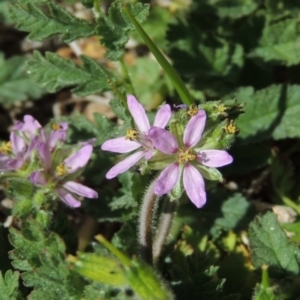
(42, 157)
(181, 153)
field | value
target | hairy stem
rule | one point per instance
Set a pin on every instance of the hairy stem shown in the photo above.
(163, 228)
(147, 215)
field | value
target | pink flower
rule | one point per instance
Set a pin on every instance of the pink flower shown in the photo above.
(136, 138)
(59, 176)
(188, 159)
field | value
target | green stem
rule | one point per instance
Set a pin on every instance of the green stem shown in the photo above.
(163, 228)
(118, 92)
(97, 6)
(171, 72)
(127, 77)
(147, 215)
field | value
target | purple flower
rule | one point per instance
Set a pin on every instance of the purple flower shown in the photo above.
(136, 138)
(59, 176)
(57, 134)
(188, 159)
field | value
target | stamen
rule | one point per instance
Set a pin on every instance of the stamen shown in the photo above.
(193, 110)
(55, 127)
(231, 128)
(131, 134)
(5, 148)
(62, 170)
(221, 108)
(185, 155)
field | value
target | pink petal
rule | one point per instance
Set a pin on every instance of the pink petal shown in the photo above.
(163, 140)
(38, 178)
(15, 164)
(167, 179)
(163, 116)
(68, 198)
(18, 145)
(138, 113)
(194, 186)
(120, 145)
(31, 126)
(79, 159)
(194, 129)
(59, 135)
(124, 165)
(34, 143)
(214, 158)
(80, 189)
(45, 155)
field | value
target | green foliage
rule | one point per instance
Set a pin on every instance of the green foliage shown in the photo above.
(280, 43)
(271, 113)
(15, 85)
(270, 246)
(44, 19)
(114, 28)
(9, 285)
(40, 255)
(54, 73)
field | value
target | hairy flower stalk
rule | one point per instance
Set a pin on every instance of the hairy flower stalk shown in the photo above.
(136, 139)
(189, 161)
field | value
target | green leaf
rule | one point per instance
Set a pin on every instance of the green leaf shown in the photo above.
(234, 9)
(9, 285)
(235, 211)
(278, 9)
(280, 42)
(270, 113)
(114, 28)
(269, 245)
(45, 19)
(102, 269)
(15, 85)
(54, 73)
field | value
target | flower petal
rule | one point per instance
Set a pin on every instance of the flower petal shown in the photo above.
(194, 129)
(80, 189)
(124, 165)
(68, 198)
(31, 126)
(18, 145)
(167, 179)
(138, 113)
(79, 159)
(34, 143)
(38, 178)
(214, 158)
(120, 145)
(58, 135)
(163, 116)
(15, 164)
(163, 140)
(194, 186)
(45, 155)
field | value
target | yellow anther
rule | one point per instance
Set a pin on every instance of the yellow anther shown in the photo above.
(5, 148)
(62, 170)
(221, 108)
(193, 110)
(55, 127)
(131, 134)
(231, 128)
(185, 155)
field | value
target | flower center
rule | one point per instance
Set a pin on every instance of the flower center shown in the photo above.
(55, 127)
(185, 155)
(5, 148)
(193, 110)
(62, 170)
(231, 128)
(131, 134)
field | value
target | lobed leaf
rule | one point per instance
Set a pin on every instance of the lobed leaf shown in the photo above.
(15, 85)
(272, 112)
(45, 19)
(114, 28)
(9, 284)
(280, 42)
(269, 245)
(54, 73)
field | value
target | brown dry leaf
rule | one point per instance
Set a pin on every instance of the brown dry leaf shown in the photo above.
(101, 108)
(91, 47)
